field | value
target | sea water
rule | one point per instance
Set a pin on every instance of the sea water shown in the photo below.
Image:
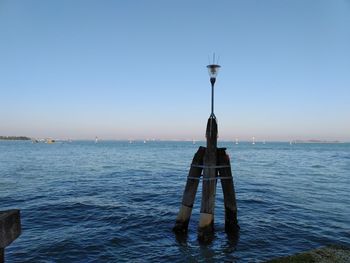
(116, 201)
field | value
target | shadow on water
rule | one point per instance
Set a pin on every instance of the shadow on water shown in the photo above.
(207, 246)
(181, 238)
(233, 237)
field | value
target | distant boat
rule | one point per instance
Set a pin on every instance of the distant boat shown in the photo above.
(144, 141)
(49, 141)
(96, 139)
(236, 141)
(130, 141)
(193, 141)
(253, 140)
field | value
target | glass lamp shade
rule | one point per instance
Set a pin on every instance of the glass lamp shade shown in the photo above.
(213, 70)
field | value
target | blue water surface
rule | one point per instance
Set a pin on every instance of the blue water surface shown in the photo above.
(114, 201)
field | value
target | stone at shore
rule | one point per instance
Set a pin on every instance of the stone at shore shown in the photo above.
(10, 229)
(329, 254)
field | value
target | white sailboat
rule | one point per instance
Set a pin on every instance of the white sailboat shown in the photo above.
(253, 140)
(236, 141)
(96, 139)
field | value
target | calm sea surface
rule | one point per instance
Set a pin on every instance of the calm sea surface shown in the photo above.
(115, 201)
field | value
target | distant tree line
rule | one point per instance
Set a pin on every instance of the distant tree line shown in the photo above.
(14, 138)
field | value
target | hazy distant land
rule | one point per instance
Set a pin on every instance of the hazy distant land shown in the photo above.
(315, 141)
(26, 138)
(15, 138)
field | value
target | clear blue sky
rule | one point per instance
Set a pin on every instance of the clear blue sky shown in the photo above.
(137, 69)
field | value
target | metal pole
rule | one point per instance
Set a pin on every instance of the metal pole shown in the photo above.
(212, 99)
(212, 81)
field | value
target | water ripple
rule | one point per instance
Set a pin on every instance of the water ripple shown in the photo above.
(115, 201)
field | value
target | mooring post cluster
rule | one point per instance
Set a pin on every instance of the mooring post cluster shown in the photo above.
(209, 164)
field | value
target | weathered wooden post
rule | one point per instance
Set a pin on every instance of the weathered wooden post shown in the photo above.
(206, 220)
(189, 195)
(215, 164)
(10, 229)
(227, 185)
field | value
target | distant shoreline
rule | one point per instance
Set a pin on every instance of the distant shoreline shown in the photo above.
(315, 141)
(312, 141)
(14, 138)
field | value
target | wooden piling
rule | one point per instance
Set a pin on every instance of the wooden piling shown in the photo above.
(206, 220)
(227, 184)
(189, 195)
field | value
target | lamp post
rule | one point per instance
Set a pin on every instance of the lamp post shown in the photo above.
(213, 70)
(209, 164)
